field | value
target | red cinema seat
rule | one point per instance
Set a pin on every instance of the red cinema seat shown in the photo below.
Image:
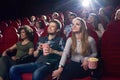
(36, 37)
(10, 37)
(15, 24)
(110, 51)
(3, 26)
(28, 76)
(25, 21)
(86, 78)
(114, 26)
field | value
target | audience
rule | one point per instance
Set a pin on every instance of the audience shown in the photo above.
(79, 47)
(45, 63)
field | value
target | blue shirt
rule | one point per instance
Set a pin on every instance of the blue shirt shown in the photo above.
(57, 43)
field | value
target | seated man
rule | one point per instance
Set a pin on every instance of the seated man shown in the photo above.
(45, 63)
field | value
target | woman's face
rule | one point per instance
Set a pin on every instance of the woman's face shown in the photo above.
(90, 19)
(101, 11)
(118, 16)
(76, 25)
(23, 34)
(37, 24)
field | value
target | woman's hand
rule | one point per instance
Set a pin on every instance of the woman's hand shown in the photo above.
(35, 53)
(14, 58)
(57, 73)
(4, 53)
(85, 65)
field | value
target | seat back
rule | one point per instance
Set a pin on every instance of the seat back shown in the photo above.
(10, 37)
(110, 50)
(3, 26)
(36, 37)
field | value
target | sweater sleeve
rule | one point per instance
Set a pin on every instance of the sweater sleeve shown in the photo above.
(66, 52)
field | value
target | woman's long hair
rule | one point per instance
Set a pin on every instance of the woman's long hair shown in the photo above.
(84, 38)
(28, 31)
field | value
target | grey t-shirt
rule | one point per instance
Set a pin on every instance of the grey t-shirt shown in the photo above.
(78, 57)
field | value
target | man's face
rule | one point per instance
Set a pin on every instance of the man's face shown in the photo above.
(71, 18)
(52, 28)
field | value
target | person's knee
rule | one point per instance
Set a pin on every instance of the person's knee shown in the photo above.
(13, 69)
(37, 75)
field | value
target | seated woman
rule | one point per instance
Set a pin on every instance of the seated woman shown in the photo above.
(40, 25)
(24, 47)
(81, 46)
(103, 17)
(94, 21)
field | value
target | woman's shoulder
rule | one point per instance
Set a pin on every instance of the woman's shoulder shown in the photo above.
(30, 43)
(69, 39)
(91, 39)
(18, 43)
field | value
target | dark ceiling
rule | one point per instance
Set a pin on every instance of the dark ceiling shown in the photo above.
(18, 8)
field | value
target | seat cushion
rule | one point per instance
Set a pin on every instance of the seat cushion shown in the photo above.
(86, 78)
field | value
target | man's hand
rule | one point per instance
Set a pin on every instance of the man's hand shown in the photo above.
(14, 58)
(40, 46)
(4, 54)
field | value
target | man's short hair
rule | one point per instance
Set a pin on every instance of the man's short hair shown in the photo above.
(58, 23)
(73, 14)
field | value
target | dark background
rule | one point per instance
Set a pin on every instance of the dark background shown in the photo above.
(10, 9)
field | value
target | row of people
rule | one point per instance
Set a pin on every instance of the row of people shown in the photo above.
(92, 18)
(80, 44)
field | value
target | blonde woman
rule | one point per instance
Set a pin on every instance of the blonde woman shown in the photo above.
(81, 46)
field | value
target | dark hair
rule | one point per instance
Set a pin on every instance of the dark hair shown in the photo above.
(41, 23)
(96, 20)
(57, 22)
(28, 31)
(73, 14)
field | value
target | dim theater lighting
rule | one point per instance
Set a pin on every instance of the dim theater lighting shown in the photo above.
(86, 3)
